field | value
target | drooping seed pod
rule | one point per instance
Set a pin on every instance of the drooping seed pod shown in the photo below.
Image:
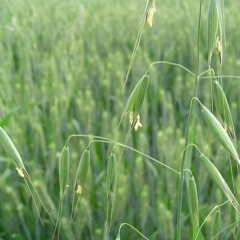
(216, 224)
(193, 204)
(219, 180)
(80, 179)
(189, 150)
(135, 101)
(235, 219)
(82, 171)
(223, 109)
(13, 154)
(219, 132)
(111, 177)
(11, 150)
(137, 96)
(214, 26)
(64, 169)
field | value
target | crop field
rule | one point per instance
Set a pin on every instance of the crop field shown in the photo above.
(83, 157)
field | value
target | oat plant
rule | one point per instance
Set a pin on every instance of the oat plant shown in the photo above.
(219, 121)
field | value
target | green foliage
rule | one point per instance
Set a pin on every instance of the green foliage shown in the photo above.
(62, 68)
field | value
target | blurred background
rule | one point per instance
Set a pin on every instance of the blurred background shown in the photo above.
(62, 67)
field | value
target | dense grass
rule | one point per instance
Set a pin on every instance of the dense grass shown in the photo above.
(62, 67)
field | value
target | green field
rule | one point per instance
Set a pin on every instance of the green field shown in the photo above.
(62, 70)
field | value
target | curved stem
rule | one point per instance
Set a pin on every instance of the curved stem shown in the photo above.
(209, 216)
(132, 228)
(196, 99)
(170, 63)
(153, 159)
(189, 145)
(232, 224)
(132, 149)
(88, 136)
(187, 170)
(209, 70)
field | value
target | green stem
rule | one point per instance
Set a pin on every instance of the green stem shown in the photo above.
(209, 70)
(171, 63)
(180, 190)
(34, 201)
(137, 42)
(132, 228)
(132, 149)
(221, 76)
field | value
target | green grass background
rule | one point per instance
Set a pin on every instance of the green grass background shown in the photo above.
(62, 67)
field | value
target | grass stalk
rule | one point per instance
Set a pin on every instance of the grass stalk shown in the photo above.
(180, 190)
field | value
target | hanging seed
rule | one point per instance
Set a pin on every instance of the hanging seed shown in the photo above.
(216, 224)
(13, 154)
(82, 171)
(64, 169)
(135, 101)
(219, 132)
(11, 150)
(219, 180)
(193, 204)
(223, 108)
(214, 25)
(137, 96)
(150, 13)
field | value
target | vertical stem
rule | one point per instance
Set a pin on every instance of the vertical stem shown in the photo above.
(180, 190)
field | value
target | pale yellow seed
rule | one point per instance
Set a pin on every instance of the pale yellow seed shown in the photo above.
(218, 45)
(79, 190)
(137, 124)
(131, 117)
(150, 16)
(150, 13)
(20, 172)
